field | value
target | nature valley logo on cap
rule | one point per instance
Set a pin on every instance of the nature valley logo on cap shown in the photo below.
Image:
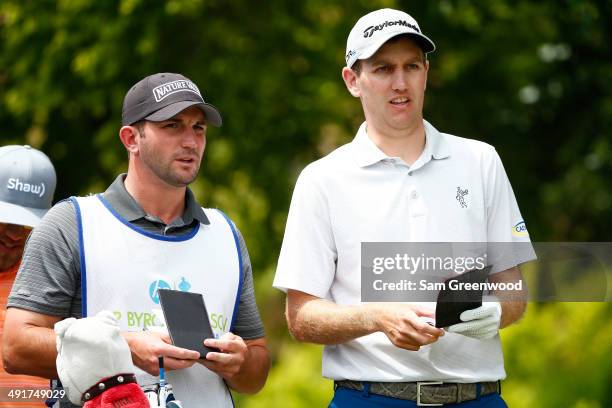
(162, 91)
(162, 96)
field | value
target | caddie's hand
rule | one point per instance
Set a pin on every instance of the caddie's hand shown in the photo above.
(147, 347)
(405, 327)
(480, 323)
(233, 352)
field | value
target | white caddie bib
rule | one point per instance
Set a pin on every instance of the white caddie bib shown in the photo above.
(122, 266)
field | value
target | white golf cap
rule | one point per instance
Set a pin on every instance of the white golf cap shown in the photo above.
(376, 28)
(27, 184)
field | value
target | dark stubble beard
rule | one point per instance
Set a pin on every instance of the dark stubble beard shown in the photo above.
(164, 171)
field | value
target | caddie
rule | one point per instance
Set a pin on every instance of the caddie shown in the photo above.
(146, 231)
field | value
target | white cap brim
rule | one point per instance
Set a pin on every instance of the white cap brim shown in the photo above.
(18, 215)
(423, 41)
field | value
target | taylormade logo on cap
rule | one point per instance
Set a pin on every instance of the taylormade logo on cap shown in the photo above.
(18, 185)
(370, 30)
(376, 28)
(163, 90)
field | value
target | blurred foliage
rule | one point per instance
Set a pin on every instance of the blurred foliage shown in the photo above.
(533, 78)
(560, 356)
(295, 381)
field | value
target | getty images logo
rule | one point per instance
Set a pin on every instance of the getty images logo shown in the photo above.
(18, 185)
(162, 91)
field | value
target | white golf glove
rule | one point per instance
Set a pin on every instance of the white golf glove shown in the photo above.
(89, 350)
(480, 323)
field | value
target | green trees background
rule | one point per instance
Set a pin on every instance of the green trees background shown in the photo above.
(533, 78)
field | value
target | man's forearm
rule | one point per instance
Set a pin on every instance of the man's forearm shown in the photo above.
(34, 354)
(323, 322)
(315, 320)
(254, 371)
(28, 344)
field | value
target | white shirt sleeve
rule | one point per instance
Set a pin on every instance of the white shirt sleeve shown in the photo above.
(509, 243)
(307, 260)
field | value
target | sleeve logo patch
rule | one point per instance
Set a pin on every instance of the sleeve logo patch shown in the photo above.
(520, 230)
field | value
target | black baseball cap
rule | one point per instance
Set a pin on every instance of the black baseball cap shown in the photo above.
(159, 97)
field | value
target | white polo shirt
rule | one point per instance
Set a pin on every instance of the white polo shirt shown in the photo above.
(359, 194)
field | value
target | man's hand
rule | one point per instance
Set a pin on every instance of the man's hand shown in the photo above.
(404, 326)
(228, 362)
(480, 323)
(147, 347)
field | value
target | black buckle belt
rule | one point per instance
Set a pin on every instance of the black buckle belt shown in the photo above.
(426, 393)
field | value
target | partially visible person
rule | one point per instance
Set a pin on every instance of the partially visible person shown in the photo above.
(27, 184)
(114, 250)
